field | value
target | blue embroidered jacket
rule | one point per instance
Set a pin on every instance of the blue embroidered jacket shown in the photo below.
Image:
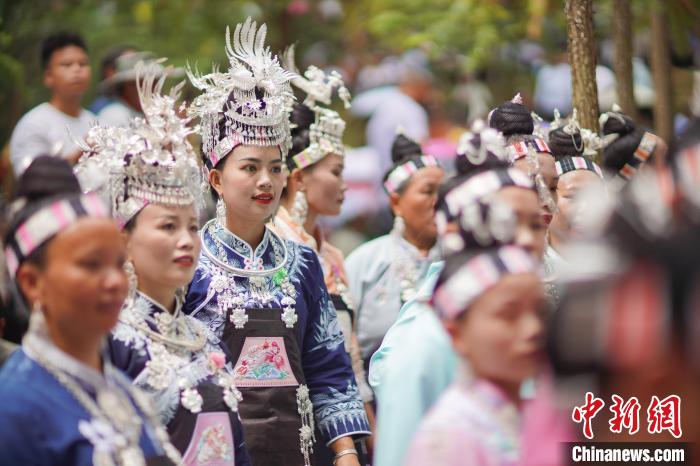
(327, 368)
(129, 351)
(41, 418)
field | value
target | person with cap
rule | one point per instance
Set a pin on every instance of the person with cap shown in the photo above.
(490, 301)
(49, 128)
(408, 379)
(154, 185)
(123, 86)
(384, 273)
(63, 401)
(315, 188)
(108, 68)
(264, 297)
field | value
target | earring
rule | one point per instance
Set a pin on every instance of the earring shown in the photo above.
(399, 226)
(36, 307)
(300, 208)
(221, 212)
(132, 278)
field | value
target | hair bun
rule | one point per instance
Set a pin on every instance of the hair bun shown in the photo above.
(621, 150)
(47, 176)
(404, 148)
(563, 144)
(618, 123)
(512, 117)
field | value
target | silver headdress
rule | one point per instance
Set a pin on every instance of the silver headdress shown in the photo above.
(480, 141)
(151, 161)
(326, 132)
(253, 97)
(591, 141)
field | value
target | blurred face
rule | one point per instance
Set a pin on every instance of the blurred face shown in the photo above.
(324, 186)
(416, 205)
(81, 285)
(501, 334)
(68, 71)
(531, 229)
(570, 214)
(548, 172)
(164, 247)
(250, 183)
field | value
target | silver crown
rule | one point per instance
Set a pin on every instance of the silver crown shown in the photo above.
(151, 161)
(254, 96)
(326, 132)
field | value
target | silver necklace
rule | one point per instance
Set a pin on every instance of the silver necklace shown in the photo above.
(115, 427)
(231, 300)
(171, 356)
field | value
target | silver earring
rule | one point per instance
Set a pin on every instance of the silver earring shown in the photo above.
(36, 307)
(132, 279)
(399, 226)
(300, 208)
(221, 212)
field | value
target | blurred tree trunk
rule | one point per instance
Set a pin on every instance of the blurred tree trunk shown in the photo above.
(582, 57)
(661, 71)
(622, 37)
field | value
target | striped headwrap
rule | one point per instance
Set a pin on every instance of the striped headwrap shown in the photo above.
(43, 224)
(568, 163)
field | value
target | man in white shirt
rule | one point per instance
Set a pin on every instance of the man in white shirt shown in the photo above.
(48, 129)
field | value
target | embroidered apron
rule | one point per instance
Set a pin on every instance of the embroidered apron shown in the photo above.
(268, 372)
(205, 438)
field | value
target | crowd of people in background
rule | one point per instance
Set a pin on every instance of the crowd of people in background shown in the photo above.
(173, 293)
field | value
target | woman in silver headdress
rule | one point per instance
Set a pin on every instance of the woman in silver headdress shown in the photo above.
(153, 182)
(264, 297)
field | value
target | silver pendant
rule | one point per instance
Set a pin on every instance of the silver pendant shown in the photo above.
(289, 317)
(238, 317)
(192, 400)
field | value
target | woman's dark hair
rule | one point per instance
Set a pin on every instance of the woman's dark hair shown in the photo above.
(512, 118)
(564, 144)
(403, 150)
(58, 41)
(621, 150)
(302, 118)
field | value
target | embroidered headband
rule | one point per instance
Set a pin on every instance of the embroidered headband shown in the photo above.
(520, 149)
(641, 155)
(567, 164)
(401, 174)
(483, 184)
(48, 221)
(460, 288)
(253, 97)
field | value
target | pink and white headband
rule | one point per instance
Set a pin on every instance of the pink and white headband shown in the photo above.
(47, 222)
(405, 171)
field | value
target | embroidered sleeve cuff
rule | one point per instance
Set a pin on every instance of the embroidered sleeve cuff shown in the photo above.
(340, 414)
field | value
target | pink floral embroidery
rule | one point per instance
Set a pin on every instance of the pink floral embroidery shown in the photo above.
(263, 362)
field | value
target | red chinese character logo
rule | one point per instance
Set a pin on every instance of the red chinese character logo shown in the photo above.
(665, 415)
(625, 415)
(587, 412)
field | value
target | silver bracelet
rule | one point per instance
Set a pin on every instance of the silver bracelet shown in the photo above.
(340, 454)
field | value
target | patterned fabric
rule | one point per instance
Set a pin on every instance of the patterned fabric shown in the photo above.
(520, 149)
(333, 264)
(41, 418)
(472, 423)
(567, 164)
(48, 221)
(132, 352)
(326, 365)
(403, 172)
